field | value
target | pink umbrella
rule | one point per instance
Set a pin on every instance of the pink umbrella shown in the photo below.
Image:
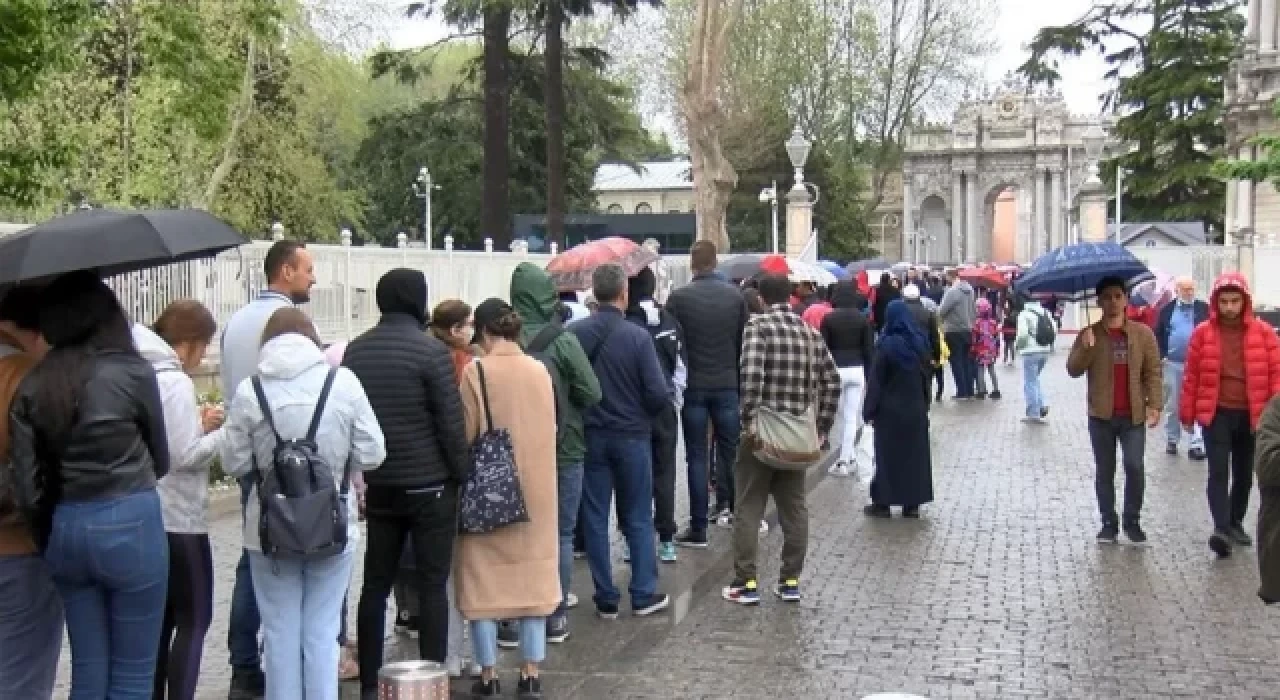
(1156, 291)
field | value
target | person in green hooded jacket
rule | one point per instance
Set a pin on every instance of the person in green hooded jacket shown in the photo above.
(534, 298)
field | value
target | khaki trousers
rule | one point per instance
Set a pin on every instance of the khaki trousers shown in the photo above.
(755, 483)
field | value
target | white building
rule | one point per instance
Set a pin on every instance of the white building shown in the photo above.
(656, 187)
(1252, 87)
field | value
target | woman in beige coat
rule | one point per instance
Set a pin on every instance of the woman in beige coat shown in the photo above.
(513, 572)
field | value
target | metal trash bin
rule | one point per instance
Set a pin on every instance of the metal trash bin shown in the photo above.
(413, 680)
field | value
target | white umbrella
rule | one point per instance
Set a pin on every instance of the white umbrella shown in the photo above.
(802, 271)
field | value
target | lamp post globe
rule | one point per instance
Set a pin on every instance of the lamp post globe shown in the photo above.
(798, 151)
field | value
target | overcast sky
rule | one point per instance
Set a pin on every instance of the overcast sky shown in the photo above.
(1017, 21)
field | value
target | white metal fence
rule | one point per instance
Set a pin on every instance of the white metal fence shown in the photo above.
(342, 301)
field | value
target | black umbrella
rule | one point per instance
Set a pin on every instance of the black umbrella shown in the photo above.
(113, 242)
(741, 267)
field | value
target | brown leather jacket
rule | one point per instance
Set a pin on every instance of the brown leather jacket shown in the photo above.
(15, 538)
(1146, 386)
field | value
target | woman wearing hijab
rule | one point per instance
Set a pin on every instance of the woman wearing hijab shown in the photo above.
(897, 406)
(886, 293)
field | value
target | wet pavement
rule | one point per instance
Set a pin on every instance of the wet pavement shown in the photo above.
(999, 591)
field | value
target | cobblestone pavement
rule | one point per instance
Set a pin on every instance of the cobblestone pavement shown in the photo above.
(999, 591)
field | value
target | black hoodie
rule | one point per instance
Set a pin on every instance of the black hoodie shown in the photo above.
(409, 378)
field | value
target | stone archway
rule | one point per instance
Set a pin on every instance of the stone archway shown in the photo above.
(935, 225)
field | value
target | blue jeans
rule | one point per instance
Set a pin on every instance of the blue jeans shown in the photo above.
(30, 627)
(1172, 392)
(110, 562)
(301, 603)
(720, 408)
(1032, 365)
(625, 465)
(245, 621)
(533, 640)
(569, 492)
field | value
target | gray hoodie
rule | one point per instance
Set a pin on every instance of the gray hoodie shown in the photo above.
(184, 491)
(958, 310)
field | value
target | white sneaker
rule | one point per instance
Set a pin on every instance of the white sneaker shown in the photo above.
(839, 469)
(764, 528)
(571, 601)
(725, 519)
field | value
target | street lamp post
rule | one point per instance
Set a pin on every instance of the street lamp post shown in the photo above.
(422, 188)
(799, 201)
(770, 195)
(894, 221)
(277, 231)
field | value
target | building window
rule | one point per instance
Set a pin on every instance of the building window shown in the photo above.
(673, 211)
(1150, 243)
(614, 208)
(644, 208)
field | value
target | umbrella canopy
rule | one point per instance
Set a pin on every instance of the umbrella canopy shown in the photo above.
(835, 269)
(1073, 271)
(802, 271)
(113, 242)
(866, 265)
(1152, 292)
(984, 277)
(749, 265)
(741, 267)
(571, 270)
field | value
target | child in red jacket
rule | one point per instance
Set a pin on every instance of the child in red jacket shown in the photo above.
(1232, 371)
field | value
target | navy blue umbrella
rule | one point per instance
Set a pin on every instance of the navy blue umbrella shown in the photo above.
(1073, 271)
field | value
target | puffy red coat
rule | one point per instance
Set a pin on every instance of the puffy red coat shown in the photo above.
(1202, 378)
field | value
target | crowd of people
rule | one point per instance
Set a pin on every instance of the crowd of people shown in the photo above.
(107, 451)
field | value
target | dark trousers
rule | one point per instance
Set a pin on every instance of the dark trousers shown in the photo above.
(1104, 435)
(187, 615)
(1228, 443)
(756, 483)
(963, 368)
(30, 627)
(665, 436)
(940, 378)
(621, 465)
(245, 621)
(429, 518)
(719, 409)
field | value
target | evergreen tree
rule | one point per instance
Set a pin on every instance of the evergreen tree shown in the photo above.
(1167, 83)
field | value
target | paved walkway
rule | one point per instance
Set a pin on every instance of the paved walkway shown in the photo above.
(998, 592)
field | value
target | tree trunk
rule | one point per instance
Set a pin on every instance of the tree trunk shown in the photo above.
(495, 196)
(714, 178)
(239, 115)
(553, 96)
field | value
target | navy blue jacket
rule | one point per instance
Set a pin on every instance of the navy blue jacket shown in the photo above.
(1199, 314)
(632, 385)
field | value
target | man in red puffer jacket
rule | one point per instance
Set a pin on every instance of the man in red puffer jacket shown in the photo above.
(1232, 371)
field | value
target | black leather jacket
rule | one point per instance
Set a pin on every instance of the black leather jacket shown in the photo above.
(117, 445)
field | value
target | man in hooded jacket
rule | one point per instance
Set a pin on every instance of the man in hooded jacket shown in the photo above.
(533, 296)
(409, 378)
(956, 314)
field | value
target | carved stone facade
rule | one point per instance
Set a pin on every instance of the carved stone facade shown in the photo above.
(953, 173)
(1253, 85)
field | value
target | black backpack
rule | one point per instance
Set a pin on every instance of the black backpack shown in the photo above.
(538, 349)
(1046, 333)
(303, 516)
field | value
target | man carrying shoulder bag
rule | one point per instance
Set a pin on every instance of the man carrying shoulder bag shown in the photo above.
(790, 390)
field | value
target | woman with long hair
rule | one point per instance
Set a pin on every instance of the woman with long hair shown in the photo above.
(451, 324)
(897, 406)
(88, 446)
(300, 601)
(175, 345)
(511, 391)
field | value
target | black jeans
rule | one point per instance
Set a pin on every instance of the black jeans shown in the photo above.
(188, 611)
(1104, 435)
(429, 516)
(963, 368)
(666, 428)
(1228, 443)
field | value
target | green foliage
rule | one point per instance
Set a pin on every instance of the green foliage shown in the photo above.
(1265, 169)
(1168, 87)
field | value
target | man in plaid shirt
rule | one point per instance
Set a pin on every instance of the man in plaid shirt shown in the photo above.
(786, 367)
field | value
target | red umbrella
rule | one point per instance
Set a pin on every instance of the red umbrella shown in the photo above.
(571, 270)
(984, 277)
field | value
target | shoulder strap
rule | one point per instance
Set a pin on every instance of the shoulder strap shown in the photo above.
(265, 406)
(545, 337)
(484, 396)
(604, 338)
(324, 397)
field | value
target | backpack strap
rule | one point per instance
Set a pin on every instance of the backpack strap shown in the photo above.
(324, 397)
(545, 337)
(484, 396)
(604, 338)
(265, 406)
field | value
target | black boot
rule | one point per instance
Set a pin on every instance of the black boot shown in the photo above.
(491, 688)
(247, 684)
